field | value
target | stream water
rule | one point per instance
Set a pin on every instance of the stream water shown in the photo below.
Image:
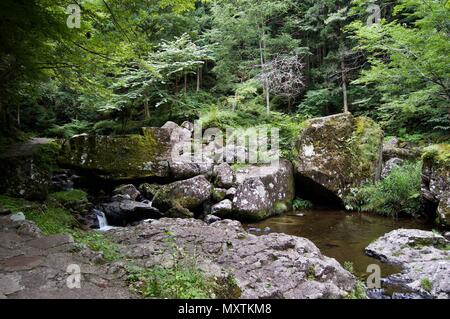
(340, 235)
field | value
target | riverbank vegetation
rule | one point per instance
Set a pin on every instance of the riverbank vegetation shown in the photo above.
(136, 64)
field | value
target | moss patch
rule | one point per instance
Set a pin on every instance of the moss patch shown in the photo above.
(67, 197)
(438, 153)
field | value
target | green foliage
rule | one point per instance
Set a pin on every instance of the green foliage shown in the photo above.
(409, 66)
(426, 284)
(301, 204)
(70, 129)
(397, 194)
(439, 153)
(67, 197)
(359, 292)
(173, 283)
(98, 242)
(348, 265)
(52, 219)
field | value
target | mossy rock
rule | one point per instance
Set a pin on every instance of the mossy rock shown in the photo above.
(264, 192)
(435, 186)
(340, 152)
(120, 157)
(189, 194)
(27, 174)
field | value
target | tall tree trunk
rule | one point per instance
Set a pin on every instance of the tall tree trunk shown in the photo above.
(199, 73)
(185, 82)
(146, 110)
(344, 85)
(18, 115)
(262, 47)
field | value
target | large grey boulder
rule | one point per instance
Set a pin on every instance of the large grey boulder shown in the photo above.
(394, 148)
(26, 169)
(423, 255)
(269, 266)
(128, 189)
(121, 157)
(339, 152)
(263, 191)
(225, 176)
(189, 194)
(435, 186)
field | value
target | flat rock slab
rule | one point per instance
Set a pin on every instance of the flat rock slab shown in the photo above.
(33, 266)
(270, 266)
(423, 255)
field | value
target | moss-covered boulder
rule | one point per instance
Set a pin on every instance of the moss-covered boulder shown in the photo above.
(26, 169)
(263, 191)
(121, 157)
(188, 194)
(337, 153)
(436, 181)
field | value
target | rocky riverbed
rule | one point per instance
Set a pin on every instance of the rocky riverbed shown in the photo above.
(163, 213)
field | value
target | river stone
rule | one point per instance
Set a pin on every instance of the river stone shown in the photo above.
(230, 193)
(443, 210)
(209, 219)
(219, 194)
(148, 190)
(4, 211)
(423, 255)
(263, 191)
(222, 209)
(224, 176)
(339, 152)
(390, 165)
(128, 189)
(121, 157)
(396, 149)
(124, 212)
(268, 266)
(190, 194)
(435, 186)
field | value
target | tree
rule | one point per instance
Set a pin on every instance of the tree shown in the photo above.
(284, 77)
(409, 65)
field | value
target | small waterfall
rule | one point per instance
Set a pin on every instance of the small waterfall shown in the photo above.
(102, 221)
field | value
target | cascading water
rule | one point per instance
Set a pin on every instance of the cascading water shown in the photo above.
(102, 221)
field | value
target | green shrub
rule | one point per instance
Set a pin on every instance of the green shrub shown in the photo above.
(302, 204)
(359, 292)
(65, 197)
(173, 283)
(398, 193)
(53, 219)
(426, 284)
(106, 127)
(70, 129)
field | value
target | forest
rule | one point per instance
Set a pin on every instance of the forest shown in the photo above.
(96, 96)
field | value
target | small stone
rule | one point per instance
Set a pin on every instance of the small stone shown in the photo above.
(18, 217)
(10, 283)
(209, 219)
(4, 211)
(129, 190)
